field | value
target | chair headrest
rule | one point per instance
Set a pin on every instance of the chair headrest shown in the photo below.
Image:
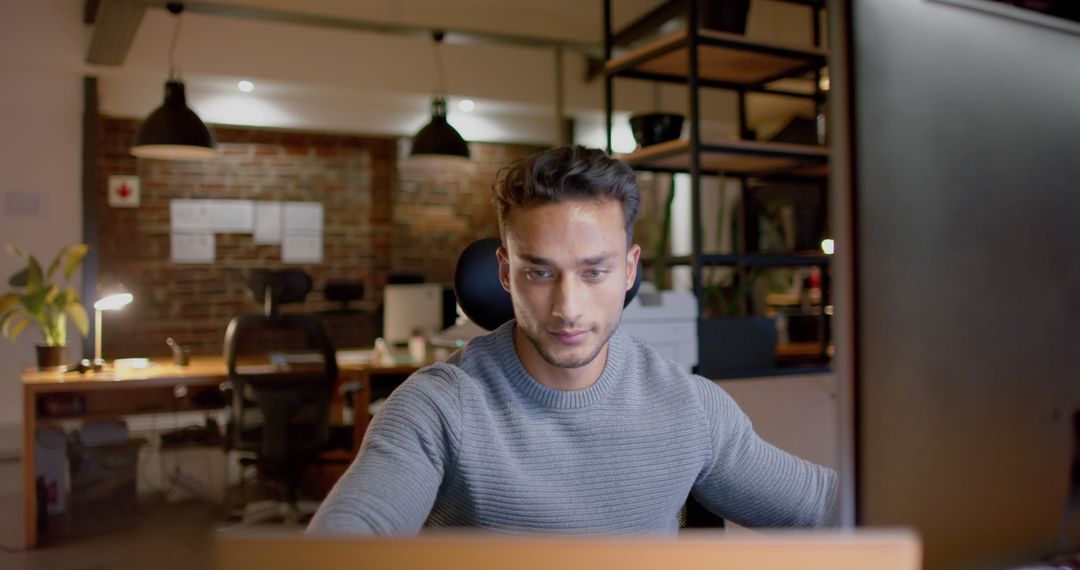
(481, 295)
(343, 291)
(278, 287)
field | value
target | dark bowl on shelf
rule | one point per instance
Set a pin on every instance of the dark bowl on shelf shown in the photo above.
(654, 128)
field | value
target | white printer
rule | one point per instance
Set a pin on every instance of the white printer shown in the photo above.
(666, 321)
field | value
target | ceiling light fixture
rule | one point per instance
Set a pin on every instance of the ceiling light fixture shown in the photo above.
(438, 137)
(173, 131)
(245, 86)
(466, 105)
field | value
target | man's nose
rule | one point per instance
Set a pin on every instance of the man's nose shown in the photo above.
(567, 304)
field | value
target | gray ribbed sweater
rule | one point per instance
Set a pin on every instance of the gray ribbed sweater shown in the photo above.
(477, 442)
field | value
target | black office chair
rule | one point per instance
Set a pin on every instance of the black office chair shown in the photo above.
(282, 370)
(481, 295)
(346, 325)
(483, 299)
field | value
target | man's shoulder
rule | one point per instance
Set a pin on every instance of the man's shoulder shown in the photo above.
(648, 360)
(485, 354)
(439, 384)
(663, 372)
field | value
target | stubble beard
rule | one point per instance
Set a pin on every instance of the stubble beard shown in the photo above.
(570, 362)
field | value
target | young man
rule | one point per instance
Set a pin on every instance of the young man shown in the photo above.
(556, 422)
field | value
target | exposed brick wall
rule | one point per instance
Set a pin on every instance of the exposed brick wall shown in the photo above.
(441, 208)
(382, 215)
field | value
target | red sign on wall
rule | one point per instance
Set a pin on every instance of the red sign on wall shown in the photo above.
(124, 191)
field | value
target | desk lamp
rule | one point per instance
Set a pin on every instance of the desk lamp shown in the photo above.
(108, 302)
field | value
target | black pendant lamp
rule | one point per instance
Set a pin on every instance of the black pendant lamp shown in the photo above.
(173, 131)
(438, 138)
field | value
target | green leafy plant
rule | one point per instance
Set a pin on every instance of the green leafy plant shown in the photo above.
(39, 298)
(727, 291)
(661, 270)
(726, 296)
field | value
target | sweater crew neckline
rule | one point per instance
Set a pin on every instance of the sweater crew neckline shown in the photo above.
(551, 397)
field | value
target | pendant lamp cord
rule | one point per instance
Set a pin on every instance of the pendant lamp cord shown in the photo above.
(440, 89)
(175, 8)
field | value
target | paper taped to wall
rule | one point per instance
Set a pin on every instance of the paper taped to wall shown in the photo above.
(232, 216)
(267, 223)
(191, 247)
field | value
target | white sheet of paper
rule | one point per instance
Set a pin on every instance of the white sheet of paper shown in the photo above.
(190, 216)
(267, 222)
(301, 248)
(192, 247)
(303, 218)
(232, 216)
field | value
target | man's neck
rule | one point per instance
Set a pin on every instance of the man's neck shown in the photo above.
(556, 377)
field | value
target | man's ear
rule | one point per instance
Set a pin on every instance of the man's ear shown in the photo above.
(504, 267)
(632, 258)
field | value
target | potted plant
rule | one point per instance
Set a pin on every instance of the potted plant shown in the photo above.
(734, 334)
(731, 336)
(40, 298)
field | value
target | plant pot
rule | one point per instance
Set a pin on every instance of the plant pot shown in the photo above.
(724, 15)
(654, 128)
(51, 357)
(738, 344)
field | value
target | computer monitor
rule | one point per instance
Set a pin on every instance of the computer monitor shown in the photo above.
(411, 307)
(833, 550)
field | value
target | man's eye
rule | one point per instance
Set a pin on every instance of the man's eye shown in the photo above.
(595, 274)
(537, 274)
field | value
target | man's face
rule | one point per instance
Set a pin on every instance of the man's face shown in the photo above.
(567, 268)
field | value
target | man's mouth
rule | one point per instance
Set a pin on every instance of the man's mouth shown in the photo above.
(570, 337)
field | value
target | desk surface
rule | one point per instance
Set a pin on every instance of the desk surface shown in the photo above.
(130, 391)
(160, 372)
(202, 369)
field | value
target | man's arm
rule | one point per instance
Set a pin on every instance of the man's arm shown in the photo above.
(392, 485)
(754, 483)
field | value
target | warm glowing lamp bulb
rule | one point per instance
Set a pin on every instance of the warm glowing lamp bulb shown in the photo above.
(113, 302)
(110, 302)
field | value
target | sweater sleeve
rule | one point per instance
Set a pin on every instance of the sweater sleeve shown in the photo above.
(754, 483)
(391, 486)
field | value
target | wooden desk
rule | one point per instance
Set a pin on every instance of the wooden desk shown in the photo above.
(58, 396)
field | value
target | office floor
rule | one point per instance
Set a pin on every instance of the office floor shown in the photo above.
(159, 536)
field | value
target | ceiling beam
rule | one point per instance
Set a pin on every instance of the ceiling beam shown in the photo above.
(115, 23)
(453, 35)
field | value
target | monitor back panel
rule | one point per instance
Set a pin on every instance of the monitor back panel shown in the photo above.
(835, 550)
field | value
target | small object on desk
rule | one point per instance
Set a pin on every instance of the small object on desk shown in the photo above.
(82, 367)
(354, 356)
(181, 354)
(382, 355)
(287, 358)
(418, 348)
(132, 363)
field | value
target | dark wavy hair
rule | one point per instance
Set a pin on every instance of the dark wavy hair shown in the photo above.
(567, 173)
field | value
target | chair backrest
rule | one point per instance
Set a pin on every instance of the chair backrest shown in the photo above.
(287, 366)
(481, 295)
(276, 287)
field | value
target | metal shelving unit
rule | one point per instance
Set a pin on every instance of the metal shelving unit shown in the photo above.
(702, 58)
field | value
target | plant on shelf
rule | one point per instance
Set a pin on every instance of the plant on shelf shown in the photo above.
(45, 299)
(726, 296)
(738, 337)
(660, 271)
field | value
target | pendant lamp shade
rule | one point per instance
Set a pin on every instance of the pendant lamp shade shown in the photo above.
(438, 137)
(173, 131)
